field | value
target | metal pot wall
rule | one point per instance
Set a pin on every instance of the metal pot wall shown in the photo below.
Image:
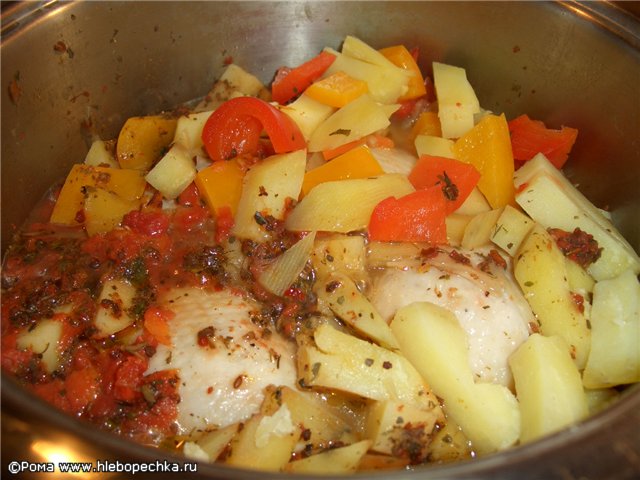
(70, 70)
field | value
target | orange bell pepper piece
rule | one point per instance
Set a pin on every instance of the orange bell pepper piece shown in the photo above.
(356, 163)
(416, 217)
(156, 323)
(454, 178)
(401, 57)
(337, 89)
(335, 152)
(487, 146)
(529, 137)
(427, 123)
(220, 184)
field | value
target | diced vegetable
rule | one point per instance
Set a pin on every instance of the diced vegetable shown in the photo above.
(345, 205)
(457, 102)
(427, 123)
(394, 160)
(307, 113)
(353, 121)
(510, 229)
(339, 253)
(221, 185)
(311, 413)
(104, 210)
(435, 146)
(479, 229)
(173, 173)
(548, 387)
(530, 137)
(214, 442)
(234, 129)
(100, 155)
(291, 82)
(264, 443)
(550, 199)
(434, 342)
(344, 362)
(474, 204)
(345, 300)
(541, 273)
(615, 333)
(450, 444)
(389, 423)
(267, 189)
(456, 225)
(116, 298)
(234, 82)
(189, 131)
(341, 460)
(454, 179)
(43, 339)
(385, 82)
(279, 275)
(487, 147)
(126, 183)
(143, 139)
(416, 217)
(337, 89)
(356, 163)
(401, 57)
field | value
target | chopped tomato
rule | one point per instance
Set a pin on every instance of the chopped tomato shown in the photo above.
(234, 129)
(190, 196)
(150, 223)
(530, 137)
(417, 217)
(82, 387)
(454, 179)
(224, 224)
(129, 378)
(156, 323)
(190, 218)
(291, 82)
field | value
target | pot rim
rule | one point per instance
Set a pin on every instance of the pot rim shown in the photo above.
(18, 17)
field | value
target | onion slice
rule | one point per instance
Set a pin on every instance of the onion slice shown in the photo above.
(280, 274)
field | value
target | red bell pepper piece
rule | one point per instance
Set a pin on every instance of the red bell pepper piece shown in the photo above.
(454, 179)
(234, 129)
(291, 82)
(530, 137)
(417, 217)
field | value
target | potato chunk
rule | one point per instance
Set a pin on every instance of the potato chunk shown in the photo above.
(344, 362)
(548, 386)
(615, 333)
(435, 343)
(541, 273)
(265, 190)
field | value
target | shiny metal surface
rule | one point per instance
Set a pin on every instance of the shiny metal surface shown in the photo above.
(567, 63)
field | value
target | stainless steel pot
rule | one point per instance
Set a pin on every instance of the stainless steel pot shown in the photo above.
(70, 70)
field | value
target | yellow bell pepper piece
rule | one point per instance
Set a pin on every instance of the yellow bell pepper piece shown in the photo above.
(401, 57)
(487, 146)
(125, 183)
(142, 141)
(336, 90)
(427, 123)
(358, 162)
(104, 210)
(221, 185)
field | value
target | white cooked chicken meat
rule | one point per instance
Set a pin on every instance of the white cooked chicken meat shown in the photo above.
(224, 360)
(488, 305)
